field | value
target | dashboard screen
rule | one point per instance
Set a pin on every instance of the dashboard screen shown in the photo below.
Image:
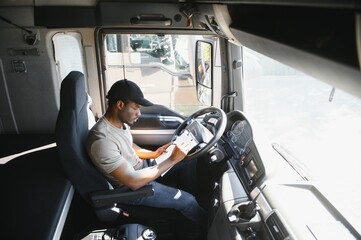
(240, 135)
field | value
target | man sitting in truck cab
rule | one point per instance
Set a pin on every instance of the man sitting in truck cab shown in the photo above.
(111, 148)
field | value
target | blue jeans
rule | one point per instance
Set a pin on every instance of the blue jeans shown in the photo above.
(170, 197)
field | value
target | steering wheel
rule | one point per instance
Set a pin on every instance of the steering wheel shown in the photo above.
(215, 121)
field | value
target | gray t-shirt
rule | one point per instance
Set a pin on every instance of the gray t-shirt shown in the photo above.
(108, 145)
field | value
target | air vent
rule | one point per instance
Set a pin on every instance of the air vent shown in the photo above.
(276, 227)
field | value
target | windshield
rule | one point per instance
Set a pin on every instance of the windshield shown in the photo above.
(319, 128)
(162, 65)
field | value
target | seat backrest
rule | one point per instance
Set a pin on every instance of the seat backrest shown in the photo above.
(71, 134)
(72, 129)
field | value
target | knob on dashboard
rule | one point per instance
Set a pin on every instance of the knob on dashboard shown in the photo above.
(216, 155)
(149, 234)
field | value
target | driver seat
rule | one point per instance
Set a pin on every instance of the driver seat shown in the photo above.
(71, 133)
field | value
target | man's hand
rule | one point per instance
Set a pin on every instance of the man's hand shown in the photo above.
(147, 154)
(179, 153)
(161, 150)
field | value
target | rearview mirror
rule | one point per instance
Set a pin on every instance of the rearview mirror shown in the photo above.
(204, 73)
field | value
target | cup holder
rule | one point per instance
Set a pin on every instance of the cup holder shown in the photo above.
(245, 215)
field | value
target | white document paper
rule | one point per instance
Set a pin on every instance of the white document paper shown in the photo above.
(186, 141)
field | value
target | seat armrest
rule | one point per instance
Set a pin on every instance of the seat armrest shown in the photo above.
(119, 195)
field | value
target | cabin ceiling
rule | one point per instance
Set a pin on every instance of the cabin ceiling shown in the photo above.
(349, 4)
(48, 3)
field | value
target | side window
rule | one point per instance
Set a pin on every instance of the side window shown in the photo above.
(313, 126)
(162, 65)
(68, 53)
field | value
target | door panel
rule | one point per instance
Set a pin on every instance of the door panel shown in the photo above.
(156, 126)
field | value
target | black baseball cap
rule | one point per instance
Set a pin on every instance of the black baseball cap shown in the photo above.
(127, 90)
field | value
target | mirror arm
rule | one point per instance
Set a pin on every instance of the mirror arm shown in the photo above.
(228, 95)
